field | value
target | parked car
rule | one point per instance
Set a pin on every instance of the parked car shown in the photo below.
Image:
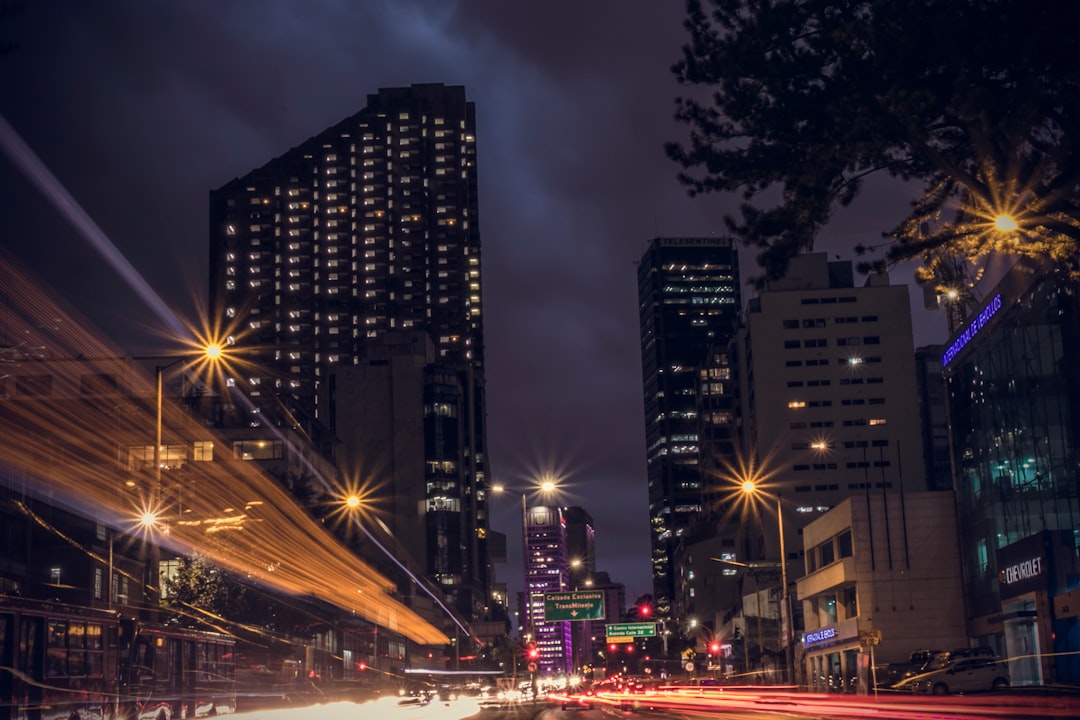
(916, 663)
(960, 671)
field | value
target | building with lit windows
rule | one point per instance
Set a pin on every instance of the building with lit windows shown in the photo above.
(1013, 392)
(334, 255)
(689, 303)
(547, 570)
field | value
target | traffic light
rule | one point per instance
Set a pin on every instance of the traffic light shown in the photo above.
(714, 648)
(532, 652)
(613, 647)
(644, 610)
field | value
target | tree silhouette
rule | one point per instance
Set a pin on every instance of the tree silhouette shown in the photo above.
(797, 102)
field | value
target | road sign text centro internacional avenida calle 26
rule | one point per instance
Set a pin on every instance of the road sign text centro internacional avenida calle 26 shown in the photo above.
(577, 605)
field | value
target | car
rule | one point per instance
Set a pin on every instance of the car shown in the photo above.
(583, 702)
(961, 671)
(895, 673)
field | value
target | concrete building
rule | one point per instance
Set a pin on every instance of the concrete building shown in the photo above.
(829, 407)
(882, 579)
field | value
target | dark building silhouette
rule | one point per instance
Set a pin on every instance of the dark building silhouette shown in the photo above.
(689, 303)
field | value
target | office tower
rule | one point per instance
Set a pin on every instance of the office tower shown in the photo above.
(829, 397)
(688, 292)
(547, 570)
(1013, 394)
(581, 554)
(332, 255)
(580, 545)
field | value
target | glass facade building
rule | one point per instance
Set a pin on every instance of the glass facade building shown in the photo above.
(1013, 395)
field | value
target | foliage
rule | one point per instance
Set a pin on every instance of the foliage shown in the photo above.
(798, 101)
(199, 592)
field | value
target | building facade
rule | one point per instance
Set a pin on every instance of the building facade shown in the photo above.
(1013, 394)
(934, 415)
(689, 301)
(882, 579)
(364, 231)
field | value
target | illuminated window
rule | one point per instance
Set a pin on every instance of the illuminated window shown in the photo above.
(258, 449)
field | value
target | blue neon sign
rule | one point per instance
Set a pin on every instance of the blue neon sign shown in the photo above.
(977, 324)
(819, 636)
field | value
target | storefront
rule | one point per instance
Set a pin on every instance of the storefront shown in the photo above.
(1031, 573)
(833, 661)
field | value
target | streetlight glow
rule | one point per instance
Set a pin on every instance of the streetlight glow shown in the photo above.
(749, 486)
(1006, 223)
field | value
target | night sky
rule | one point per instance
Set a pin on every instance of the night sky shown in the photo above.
(141, 107)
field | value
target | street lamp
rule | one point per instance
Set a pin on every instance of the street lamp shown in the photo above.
(211, 353)
(752, 489)
(547, 485)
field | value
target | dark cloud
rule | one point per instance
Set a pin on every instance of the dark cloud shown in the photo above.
(140, 107)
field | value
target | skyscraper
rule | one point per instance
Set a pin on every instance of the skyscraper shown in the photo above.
(547, 570)
(337, 252)
(688, 292)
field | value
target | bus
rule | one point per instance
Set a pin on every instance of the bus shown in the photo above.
(60, 661)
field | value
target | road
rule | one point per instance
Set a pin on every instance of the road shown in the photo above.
(725, 705)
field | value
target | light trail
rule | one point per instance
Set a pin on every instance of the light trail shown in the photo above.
(76, 422)
(51, 188)
(388, 708)
(712, 700)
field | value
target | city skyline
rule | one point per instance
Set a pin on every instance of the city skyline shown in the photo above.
(574, 183)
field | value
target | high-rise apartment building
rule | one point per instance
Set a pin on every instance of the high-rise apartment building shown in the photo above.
(547, 570)
(360, 236)
(689, 302)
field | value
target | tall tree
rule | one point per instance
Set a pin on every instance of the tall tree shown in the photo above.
(795, 102)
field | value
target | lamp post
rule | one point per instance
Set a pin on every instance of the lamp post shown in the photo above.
(751, 488)
(546, 486)
(210, 352)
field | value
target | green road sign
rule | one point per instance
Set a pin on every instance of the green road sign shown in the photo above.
(577, 605)
(631, 630)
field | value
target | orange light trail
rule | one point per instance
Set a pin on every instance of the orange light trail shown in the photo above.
(70, 411)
